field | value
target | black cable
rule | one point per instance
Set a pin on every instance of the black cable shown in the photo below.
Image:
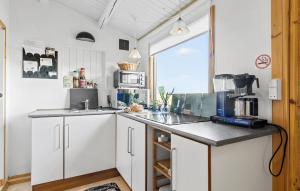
(276, 151)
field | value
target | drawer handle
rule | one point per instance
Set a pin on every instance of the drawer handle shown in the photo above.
(131, 142)
(57, 136)
(68, 136)
(173, 159)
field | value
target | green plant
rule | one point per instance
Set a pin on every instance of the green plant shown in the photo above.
(165, 96)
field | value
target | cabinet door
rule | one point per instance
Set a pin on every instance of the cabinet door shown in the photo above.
(189, 164)
(47, 150)
(123, 151)
(89, 144)
(138, 153)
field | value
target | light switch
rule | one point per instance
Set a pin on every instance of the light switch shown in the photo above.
(275, 89)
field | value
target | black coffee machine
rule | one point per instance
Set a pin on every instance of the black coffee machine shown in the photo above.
(236, 103)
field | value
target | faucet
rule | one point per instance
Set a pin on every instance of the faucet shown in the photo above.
(86, 104)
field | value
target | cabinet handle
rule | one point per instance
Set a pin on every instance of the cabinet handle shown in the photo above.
(128, 137)
(68, 136)
(131, 142)
(173, 159)
(57, 136)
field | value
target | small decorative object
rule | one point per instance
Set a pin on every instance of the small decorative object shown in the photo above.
(85, 36)
(128, 66)
(50, 51)
(68, 81)
(165, 96)
(89, 84)
(155, 105)
(162, 138)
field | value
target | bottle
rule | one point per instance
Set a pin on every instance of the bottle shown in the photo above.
(75, 79)
(82, 80)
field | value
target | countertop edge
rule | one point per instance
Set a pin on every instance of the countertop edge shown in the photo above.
(196, 137)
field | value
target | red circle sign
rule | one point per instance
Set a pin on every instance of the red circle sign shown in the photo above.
(263, 61)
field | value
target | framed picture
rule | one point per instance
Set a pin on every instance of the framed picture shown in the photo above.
(43, 65)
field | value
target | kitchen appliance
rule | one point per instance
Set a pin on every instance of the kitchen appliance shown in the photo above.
(129, 79)
(122, 98)
(236, 103)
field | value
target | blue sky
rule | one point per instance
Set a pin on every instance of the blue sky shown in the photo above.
(185, 66)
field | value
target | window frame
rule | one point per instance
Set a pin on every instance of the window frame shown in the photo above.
(211, 62)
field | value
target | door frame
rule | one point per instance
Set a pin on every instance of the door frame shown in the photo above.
(285, 66)
(3, 27)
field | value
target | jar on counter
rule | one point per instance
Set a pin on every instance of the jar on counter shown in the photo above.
(75, 79)
(82, 80)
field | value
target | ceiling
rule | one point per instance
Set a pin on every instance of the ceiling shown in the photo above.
(133, 17)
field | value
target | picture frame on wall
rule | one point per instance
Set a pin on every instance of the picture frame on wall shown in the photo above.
(41, 65)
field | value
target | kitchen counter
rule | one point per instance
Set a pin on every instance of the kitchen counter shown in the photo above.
(207, 132)
(40, 113)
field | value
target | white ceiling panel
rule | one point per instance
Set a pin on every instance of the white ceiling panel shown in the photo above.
(148, 13)
(90, 8)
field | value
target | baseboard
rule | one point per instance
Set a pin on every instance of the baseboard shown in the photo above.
(61, 185)
(4, 186)
(18, 179)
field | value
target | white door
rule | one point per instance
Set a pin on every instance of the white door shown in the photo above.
(138, 153)
(89, 144)
(123, 148)
(47, 150)
(189, 164)
(2, 81)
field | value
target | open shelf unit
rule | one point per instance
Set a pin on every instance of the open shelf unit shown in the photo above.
(161, 167)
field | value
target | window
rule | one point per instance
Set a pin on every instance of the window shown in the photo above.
(184, 67)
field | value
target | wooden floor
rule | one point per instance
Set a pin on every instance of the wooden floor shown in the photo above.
(118, 180)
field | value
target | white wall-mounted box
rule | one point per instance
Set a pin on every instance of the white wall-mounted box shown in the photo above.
(275, 89)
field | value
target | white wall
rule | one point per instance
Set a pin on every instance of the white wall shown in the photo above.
(4, 17)
(4, 9)
(57, 26)
(243, 32)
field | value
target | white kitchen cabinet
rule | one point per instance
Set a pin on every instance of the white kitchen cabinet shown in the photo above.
(47, 150)
(89, 144)
(189, 164)
(131, 152)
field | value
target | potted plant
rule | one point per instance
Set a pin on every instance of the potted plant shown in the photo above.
(165, 96)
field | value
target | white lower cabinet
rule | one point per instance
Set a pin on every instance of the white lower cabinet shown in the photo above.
(131, 152)
(89, 144)
(64, 148)
(47, 150)
(189, 164)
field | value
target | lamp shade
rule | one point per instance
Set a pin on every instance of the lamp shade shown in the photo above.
(135, 54)
(85, 36)
(179, 28)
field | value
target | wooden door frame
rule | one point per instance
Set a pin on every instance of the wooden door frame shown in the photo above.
(3, 27)
(285, 58)
(294, 180)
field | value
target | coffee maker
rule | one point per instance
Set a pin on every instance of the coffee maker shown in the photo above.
(236, 102)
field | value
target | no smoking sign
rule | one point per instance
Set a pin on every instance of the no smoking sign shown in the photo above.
(263, 61)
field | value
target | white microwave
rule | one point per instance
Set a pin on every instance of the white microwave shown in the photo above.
(128, 79)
